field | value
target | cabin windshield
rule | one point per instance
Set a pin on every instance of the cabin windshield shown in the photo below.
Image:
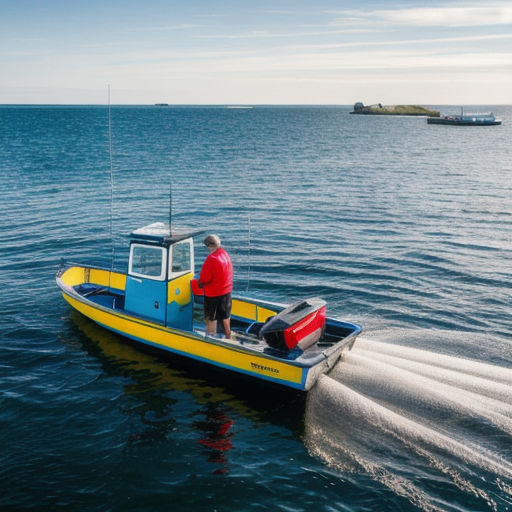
(147, 261)
(181, 258)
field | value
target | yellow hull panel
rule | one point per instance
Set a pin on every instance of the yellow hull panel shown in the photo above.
(79, 275)
(191, 344)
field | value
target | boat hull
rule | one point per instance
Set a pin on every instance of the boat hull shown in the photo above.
(300, 373)
(462, 122)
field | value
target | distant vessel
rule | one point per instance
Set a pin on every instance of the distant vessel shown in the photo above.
(161, 104)
(238, 106)
(487, 119)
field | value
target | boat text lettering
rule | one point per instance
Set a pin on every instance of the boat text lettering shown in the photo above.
(264, 368)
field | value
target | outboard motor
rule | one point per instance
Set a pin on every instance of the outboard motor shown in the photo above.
(299, 325)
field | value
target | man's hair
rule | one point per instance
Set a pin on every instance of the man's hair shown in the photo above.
(212, 240)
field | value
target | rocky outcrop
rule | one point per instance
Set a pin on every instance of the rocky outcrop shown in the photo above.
(394, 110)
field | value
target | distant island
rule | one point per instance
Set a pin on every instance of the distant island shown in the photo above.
(394, 110)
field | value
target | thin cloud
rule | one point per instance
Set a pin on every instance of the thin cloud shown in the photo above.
(432, 16)
(281, 35)
(397, 42)
(165, 28)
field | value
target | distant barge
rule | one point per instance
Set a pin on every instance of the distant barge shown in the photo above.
(395, 110)
(466, 120)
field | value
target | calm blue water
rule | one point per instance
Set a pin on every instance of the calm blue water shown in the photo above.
(402, 227)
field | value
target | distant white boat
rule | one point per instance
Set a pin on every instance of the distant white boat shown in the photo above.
(487, 119)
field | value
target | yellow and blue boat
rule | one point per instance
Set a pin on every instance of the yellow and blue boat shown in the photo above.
(156, 303)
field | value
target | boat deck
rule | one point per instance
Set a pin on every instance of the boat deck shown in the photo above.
(244, 331)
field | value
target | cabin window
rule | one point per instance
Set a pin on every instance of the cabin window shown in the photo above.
(147, 261)
(181, 258)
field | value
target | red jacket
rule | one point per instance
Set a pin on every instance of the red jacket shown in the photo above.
(217, 274)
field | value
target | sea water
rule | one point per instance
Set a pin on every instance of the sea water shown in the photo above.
(402, 227)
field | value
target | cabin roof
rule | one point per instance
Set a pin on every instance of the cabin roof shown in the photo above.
(160, 233)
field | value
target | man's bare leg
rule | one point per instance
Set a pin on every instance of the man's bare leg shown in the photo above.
(227, 327)
(211, 327)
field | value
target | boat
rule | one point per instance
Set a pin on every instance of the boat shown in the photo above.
(487, 119)
(157, 302)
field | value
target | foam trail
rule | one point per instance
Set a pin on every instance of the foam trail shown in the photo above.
(406, 391)
(477, 369)
(344, 444)
(392, 422)
(351, 431)
(478, 385)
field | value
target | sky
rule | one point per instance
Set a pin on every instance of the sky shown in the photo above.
(232, 52)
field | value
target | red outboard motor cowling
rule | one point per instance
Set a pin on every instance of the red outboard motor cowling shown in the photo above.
(299, 325)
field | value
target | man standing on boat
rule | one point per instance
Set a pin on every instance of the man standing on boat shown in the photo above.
(216, 279)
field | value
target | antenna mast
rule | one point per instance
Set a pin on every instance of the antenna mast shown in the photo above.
(249, 258)
(170, 208)
(111, 182)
